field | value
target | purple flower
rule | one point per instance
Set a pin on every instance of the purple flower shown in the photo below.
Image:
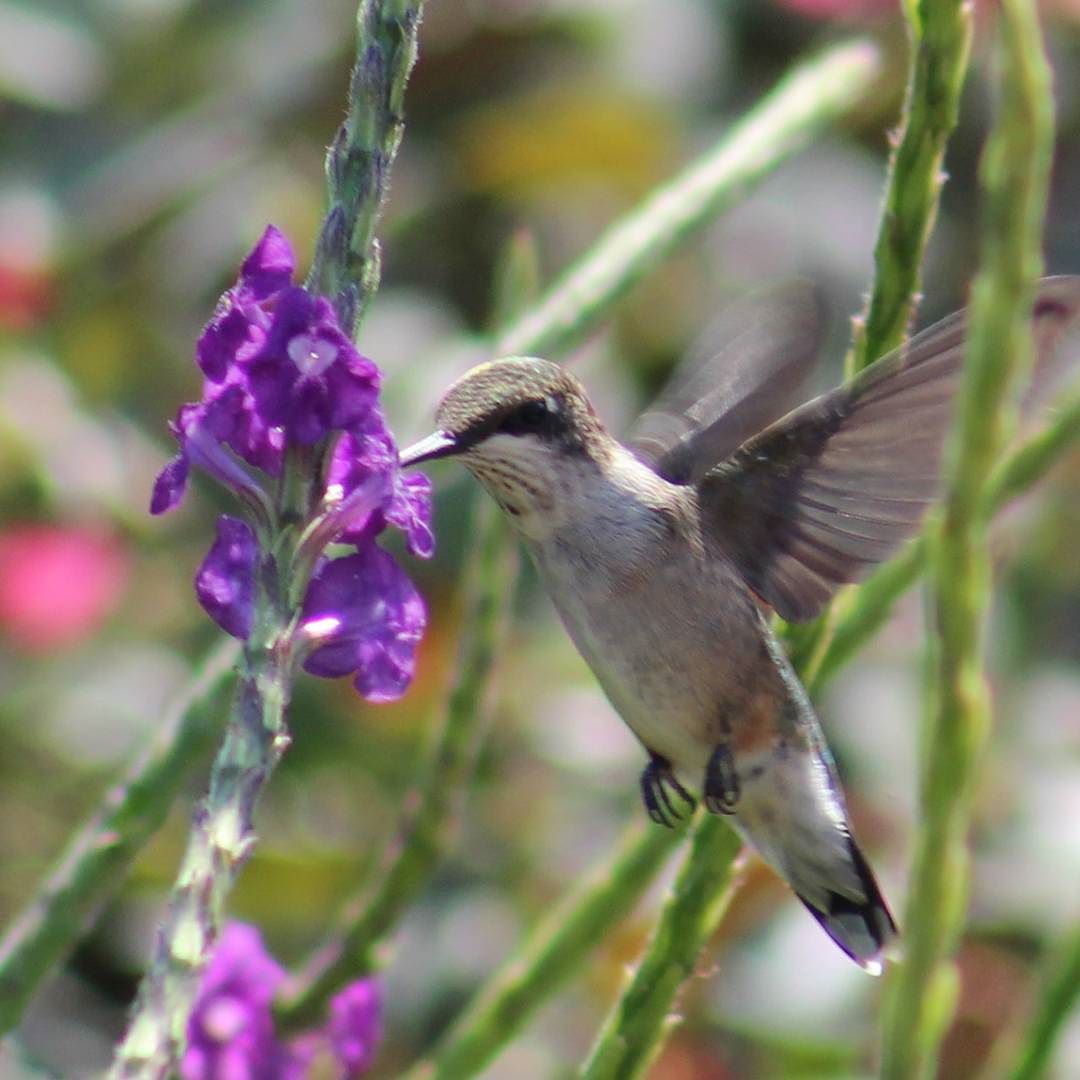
(231, 1029)
(308, 377)
(225, 582)
(280, 377)
(170, 485)
(358, 456)
(279, 371)
(238, 326)
(355, 1027)
(361, 610)
(369, 617)
(211, 434)
(352, 1034)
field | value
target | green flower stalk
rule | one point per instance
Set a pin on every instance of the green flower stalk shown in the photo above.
(633, 1034)
(289, 424)
(221, 840)
(347, 264)
(1015, 167)
(940, 40)
(1056, 1001)
(940, 33)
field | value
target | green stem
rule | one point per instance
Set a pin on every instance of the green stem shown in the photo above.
(100, 853)
(346, 265)
(812, 96)
(941, 38)
(635, 1029)
(361, 936)
(222, 837)
(865, 611)
(1056, 1002)
(550, 955)
(923, 988)
(940, 33)
(1033, 459)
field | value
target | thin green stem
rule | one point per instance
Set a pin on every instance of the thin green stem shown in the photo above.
(633, 1034)
(940, 41)
(865, 611)
(1033, 459)
(98, 855)
(940, 32)
(923, 987)
(551, 954)
(347, 260)
(1056, 1002)
(221, 839)
(811, 97)
(346, 267)
(355, 950)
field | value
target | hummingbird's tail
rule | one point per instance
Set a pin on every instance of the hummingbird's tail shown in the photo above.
(861, 926)
(792, 810)
(817, 857)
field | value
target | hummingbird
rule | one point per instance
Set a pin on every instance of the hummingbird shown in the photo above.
(666, 556)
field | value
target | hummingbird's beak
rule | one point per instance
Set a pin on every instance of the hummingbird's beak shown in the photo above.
(436, 445)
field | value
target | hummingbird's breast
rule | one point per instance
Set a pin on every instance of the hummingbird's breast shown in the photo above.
(670, 630)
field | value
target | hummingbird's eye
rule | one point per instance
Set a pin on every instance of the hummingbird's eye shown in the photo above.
(530, 416)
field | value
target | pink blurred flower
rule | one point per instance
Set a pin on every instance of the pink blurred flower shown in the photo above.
(57, 584)
(25, 296)
(29, 224)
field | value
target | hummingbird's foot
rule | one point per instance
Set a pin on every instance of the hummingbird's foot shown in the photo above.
(656, 778)
(721, 781)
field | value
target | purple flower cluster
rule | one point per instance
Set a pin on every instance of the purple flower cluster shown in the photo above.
(282, 378)
(231, 1029)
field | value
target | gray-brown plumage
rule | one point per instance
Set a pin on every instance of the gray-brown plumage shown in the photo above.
(664, 556)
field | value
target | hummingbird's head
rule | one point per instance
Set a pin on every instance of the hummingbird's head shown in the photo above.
(524, 427)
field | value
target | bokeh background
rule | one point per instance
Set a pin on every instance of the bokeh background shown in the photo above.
(144, 144)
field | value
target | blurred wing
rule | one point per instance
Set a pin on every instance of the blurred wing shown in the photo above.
(817, 499)
(742, 374)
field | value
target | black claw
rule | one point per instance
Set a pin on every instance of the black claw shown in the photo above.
(656, 780)
(721, 781)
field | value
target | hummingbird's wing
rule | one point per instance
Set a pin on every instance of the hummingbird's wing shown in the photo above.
(819, 497)
(720, 396)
